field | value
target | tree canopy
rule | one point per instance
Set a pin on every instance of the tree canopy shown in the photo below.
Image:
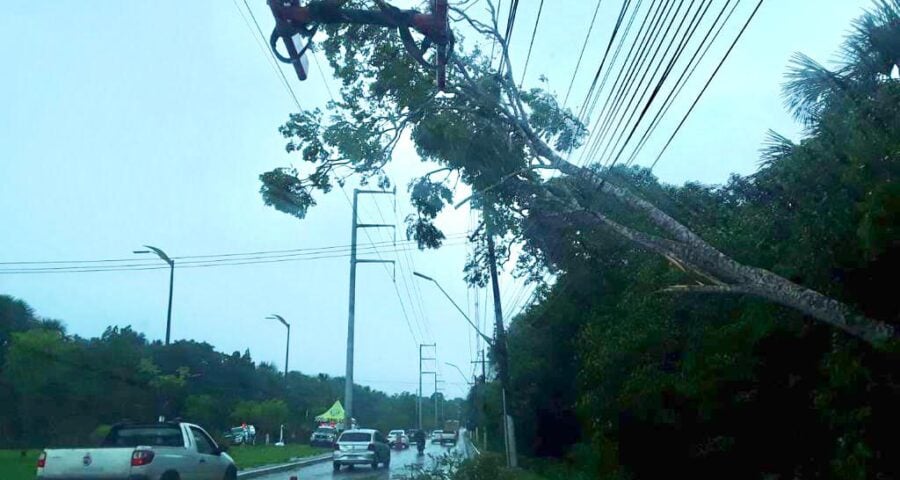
(498, 139)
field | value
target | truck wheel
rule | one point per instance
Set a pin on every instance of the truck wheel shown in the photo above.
(337, 466)
(231, 473)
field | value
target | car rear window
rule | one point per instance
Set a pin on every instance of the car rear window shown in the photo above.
(356, 437)
(153, 435)
(324, 430)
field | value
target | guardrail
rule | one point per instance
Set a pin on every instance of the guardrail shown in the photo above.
(469, 448)
(269, 469)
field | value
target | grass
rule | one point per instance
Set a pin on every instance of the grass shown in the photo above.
(248, 456)
(14, 466)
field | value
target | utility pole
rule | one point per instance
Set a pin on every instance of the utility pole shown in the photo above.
(500, 345)
(483, 366)
(351, 325)
(436, 391)
(162, 255)
(421, 359)
(287, 349)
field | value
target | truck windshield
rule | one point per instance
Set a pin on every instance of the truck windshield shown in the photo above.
(152, 435)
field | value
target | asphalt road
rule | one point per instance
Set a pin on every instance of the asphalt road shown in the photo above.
(401, 461)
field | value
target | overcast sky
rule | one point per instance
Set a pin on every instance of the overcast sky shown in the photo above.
(131, 123)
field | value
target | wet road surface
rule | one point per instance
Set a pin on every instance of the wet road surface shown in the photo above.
(400, 467)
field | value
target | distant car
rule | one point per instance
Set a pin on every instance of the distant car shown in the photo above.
(241, 435)
(436, 436)
(236, 436)
(361, 447)
(323, 437)
(398, 436)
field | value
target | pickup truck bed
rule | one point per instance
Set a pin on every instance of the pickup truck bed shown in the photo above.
(165, 451)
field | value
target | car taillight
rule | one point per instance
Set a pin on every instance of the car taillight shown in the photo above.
(141, 457)
(372, 447)
(42, 460)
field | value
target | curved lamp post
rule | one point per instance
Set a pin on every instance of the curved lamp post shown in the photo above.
(162, 255)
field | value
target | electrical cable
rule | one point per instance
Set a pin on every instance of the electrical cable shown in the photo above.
(581, 54)
(612, 37)
(622, 85)
(283, 77)
(686, 74)
(537, 21)
(686, 37)
(708, 82)
(308, 250)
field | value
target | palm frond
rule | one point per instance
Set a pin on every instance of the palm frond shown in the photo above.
(873, 46)
(808, 87)
(775, 147)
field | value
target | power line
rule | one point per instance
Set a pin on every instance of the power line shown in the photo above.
(196, 264)
(537, 21)
(686, 37)
(581, 54)
(646, 39)
(322, 75)
(307, 250)
(496, 20)
(593, 96)
(419, 317)
(686, 74)
(510, 22)
(708, 82)
(280, 72)
(264, 49)
(612, 38)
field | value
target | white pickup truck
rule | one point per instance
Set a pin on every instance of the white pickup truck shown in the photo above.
(161, 451)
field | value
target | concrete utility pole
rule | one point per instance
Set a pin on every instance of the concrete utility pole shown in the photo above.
(500, 344)
(483, 363)
(287, 349)
(421, 358)
(348, 378)
(436, 391)
(162, 255)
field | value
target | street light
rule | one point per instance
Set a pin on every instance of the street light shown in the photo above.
(287, 349)
(162, 255)
(426, 277)
(465, 378)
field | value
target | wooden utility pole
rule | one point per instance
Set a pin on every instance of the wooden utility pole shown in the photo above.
(500, 345)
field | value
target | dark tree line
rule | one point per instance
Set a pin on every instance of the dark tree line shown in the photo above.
(60, 389)
(624, 380)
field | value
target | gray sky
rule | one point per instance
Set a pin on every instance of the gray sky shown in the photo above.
(130, 123)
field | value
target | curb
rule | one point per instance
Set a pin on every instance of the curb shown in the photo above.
(269, 469)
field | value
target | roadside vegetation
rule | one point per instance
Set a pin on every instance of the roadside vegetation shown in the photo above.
(58, 389)
(18, 464)
(616, 375)
(742, 330)
(249, 456)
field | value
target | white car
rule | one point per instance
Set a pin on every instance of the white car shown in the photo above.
(160, 451)
(323, 437)
(436, 436)
(361, 447)
(398, 436)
